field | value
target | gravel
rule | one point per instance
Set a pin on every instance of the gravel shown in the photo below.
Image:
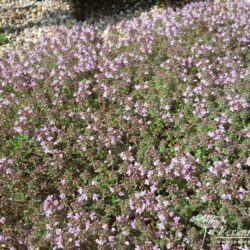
(24, 21)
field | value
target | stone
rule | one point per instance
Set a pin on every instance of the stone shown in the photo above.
(68, 23)
(27, 5)
(33, 16)
(34, 10)
(39, 8)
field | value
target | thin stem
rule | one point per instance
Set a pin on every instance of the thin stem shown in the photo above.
(204, 236)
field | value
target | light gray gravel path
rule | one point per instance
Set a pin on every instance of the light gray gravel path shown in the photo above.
(24, 20)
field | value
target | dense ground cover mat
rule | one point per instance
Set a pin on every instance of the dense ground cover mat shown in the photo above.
(117, 141)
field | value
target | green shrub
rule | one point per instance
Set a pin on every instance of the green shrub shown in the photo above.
(3, 39)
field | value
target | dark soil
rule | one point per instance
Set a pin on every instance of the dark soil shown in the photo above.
(85, 9)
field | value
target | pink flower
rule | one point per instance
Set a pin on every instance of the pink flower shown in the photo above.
(2, 220)
(226, 247)
(100, 242)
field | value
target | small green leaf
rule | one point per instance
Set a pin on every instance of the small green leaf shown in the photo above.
(114, 200)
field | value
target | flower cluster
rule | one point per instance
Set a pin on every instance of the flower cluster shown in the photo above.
(116, 140)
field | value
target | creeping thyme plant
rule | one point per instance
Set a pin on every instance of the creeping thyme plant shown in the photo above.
(117, 140)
